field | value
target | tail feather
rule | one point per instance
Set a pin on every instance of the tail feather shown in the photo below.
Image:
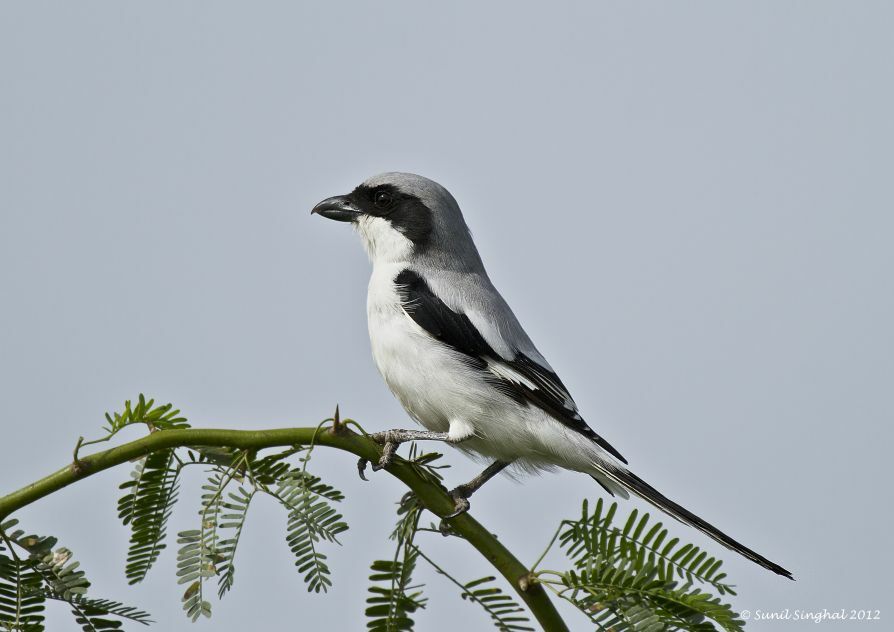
(642, 489)
(609, 485)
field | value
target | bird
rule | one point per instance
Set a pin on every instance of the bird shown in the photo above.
(452, 352)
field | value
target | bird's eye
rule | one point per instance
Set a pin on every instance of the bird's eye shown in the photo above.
(383, 199)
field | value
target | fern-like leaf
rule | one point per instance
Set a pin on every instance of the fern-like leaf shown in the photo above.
(61, 575)
(632, 578)
(146, 507)
(312, 520)
(194, 564)
(48, 573)
(392, 598)
(507, 615)
(424, 463)
(29, 572)
(307, 526)
(237, 506)
(408, 513)
(594, 534)
(636, 599)
(21, 599)
(92, 614)
(198, 556)
(505, 612)
(163, 417)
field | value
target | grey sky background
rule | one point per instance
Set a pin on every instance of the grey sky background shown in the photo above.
(687, 204)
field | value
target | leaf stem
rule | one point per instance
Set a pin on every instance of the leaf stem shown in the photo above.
(547, 549)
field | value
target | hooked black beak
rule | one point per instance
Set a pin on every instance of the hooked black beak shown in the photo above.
(339, 208)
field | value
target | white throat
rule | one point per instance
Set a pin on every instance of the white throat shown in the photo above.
(383, 243)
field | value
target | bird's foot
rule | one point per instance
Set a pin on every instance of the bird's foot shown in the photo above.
(384, 461)
(462, 493)
(461, 505)
(389, 440)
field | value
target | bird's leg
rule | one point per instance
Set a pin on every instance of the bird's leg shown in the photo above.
(390, 439)
(462, 493)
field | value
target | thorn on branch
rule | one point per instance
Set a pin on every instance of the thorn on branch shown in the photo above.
(337, 426)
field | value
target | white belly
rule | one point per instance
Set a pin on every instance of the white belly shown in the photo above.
(430, 380)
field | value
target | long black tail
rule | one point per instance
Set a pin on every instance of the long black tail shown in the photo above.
(642, 489)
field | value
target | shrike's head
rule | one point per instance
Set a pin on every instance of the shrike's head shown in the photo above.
(404, 217)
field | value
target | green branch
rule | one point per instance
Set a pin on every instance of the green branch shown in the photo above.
(428, 491)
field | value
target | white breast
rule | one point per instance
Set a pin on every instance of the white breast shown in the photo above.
(432, 381)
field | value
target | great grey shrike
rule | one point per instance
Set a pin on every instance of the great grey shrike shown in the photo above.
(454, 354)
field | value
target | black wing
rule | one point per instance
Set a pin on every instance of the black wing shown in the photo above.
(520, 378)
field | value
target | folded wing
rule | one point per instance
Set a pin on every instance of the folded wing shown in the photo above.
(519, 377)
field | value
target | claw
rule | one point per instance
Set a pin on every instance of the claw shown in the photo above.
(381, 465)
(461, 505)
(361, 468)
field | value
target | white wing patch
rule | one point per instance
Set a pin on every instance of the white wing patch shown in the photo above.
(505, 372)
(544, 383)
(554, 389)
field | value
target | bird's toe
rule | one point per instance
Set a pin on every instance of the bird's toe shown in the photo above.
(386, 460)
(460, 502)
